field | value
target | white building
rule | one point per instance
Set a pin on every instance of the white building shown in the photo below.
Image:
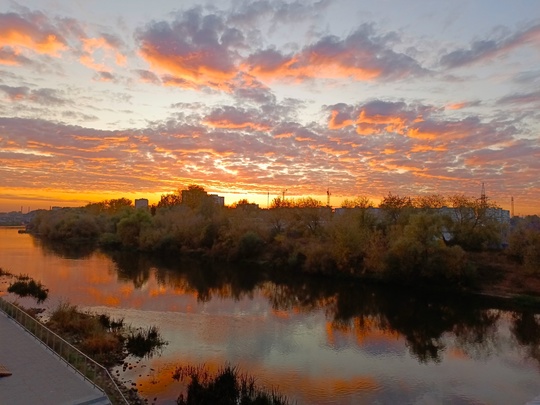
(141, 203)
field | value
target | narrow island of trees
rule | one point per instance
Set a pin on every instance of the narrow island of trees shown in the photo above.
(432, 240)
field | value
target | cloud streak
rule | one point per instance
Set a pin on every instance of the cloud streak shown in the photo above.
(481, 50)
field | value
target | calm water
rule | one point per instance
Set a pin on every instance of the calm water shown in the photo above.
(317, 342)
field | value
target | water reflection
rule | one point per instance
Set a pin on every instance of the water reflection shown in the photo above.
(526, 330)
(423, 320)
(132, 267)
(351, 307)
(65, 250)
(321, 341)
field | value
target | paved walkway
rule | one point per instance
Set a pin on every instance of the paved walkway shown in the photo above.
(38, 376)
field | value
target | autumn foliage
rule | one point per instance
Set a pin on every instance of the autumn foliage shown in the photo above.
(423, 239)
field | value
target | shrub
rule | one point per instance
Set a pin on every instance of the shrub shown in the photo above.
(319, 259)
(66, 318)
(93, 334)
(5, 272)
(109, 240)
(110, 324)
(250, 245)
(144, 342)
(100, 344)
(524, 244)
(28, 287)
(227, 387)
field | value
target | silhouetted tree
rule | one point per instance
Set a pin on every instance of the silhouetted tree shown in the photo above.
(474, 225)
(394, 207)
(169, 200)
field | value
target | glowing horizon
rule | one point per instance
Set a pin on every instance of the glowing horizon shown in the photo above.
(249, 98)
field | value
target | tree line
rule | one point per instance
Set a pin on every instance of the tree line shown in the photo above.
(413, 239)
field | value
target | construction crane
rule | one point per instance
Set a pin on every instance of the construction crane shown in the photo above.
(328, 194)
(512, 207)
(483, 198)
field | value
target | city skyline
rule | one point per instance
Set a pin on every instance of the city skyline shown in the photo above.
(252, 98)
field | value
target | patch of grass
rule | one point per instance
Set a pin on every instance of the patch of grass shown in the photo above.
(111, 324)
(67, 319)
(5, 273)
(25, 286)
(87, 332)
(227, 387)
(144, 342)
(100, 344)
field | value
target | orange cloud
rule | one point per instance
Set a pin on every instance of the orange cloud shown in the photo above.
(189, 69)
(418, 134)
(363, 56)
(11, 57)
(391, 123)
(302, 67)
(363, 129)
(456, 106)
(337, 66)
(224, 123)
(376, 117)
(428, 148)
(283, 135)
(18, 32)
(91, 46)
(389, 151)
(331, 151)
(334, 124)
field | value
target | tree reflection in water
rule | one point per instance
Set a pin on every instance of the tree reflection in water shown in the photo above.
(526, 330)
(65, 250)
(132, 267)
(424, 320)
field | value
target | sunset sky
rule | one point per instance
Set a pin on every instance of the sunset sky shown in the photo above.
(108, 99)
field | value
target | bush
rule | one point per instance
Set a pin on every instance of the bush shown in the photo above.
(67, 318)
(227, 387)
(250, 245)
(319, 259)
(68, 224)
(27, 287)
(93, 334)
(144, 342)
(525, 246)
(99, 344)
(109, 240)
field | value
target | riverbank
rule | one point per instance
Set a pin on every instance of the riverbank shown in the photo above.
(500, 276)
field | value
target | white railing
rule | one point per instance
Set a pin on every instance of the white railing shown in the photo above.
(91, 371)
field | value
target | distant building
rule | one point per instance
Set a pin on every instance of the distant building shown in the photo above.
(500, 215)
(218, 200)
(195, 196)
(375, 212)
(141, 203)
(248, 206)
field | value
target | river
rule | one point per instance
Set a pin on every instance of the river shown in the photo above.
(316, 341)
